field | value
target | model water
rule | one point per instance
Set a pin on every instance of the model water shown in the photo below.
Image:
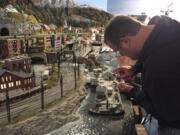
(99, 125)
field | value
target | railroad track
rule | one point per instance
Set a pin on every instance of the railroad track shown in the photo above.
(34, 103)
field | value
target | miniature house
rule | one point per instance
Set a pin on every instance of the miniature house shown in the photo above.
(109, 91)
(100, 92)
(108, 76)
(94, 81)
(97, 70)
(10, 48)
(15, 80)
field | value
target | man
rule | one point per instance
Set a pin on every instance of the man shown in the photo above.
(156, 47)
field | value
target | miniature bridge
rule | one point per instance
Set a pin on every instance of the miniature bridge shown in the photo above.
(40, 57)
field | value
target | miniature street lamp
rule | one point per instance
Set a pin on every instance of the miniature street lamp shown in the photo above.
(61, 85)
(8, 106)
(42, 92)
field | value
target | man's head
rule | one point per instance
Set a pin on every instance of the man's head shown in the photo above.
(121, 35)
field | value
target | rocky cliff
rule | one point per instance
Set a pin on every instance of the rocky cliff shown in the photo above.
(55, 3)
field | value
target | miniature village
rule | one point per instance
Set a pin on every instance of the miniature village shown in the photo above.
(49, 65)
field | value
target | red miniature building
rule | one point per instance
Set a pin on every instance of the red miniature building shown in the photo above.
(15, 80)
(10, 48)
(19, 63)
(16, 74)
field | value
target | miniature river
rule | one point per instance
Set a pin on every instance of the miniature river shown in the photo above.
(99, 125)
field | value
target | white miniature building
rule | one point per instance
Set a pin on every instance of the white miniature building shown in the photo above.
(109, 90)
(97, 70)
(85, 70)
(100, 91)
(94, 81)
(46, 75)
(108, 76)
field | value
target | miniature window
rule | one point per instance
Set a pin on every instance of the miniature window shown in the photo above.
(14, 65)
(2, 86)
(17, 83)
(2, 79)
(24, 81)
(12, 84)
(10, 77)
(24, 67)
(9, 85)
(6, 78)
(30, 80)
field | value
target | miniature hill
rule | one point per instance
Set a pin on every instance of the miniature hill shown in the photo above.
(74, 15)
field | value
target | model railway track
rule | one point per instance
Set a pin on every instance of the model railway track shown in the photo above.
(23, 96)
(33, 103)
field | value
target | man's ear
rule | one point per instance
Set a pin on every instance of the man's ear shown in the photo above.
(125, 42)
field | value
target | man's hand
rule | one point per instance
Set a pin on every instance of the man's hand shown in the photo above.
(125, 87)
(124, 71)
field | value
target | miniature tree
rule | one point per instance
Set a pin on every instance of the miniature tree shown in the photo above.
(31, 18)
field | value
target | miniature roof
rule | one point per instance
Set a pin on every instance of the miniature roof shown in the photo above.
(21, 74)
(18, 74)
(17, 58)
(52, 27)
(45, 27)
(100, 89)
(2, 71)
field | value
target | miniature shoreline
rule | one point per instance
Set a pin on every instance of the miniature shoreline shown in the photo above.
(56, 115)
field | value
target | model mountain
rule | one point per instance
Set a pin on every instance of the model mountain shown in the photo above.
(55, 12)
(55, 3)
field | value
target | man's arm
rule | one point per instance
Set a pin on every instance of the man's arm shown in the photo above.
(141, 99)
(138, 94)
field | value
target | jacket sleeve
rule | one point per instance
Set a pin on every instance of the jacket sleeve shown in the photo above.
(141, 99)
(137, 68)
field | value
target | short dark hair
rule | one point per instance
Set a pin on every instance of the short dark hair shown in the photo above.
(120, 26)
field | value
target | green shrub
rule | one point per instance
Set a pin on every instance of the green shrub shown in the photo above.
(15, 15)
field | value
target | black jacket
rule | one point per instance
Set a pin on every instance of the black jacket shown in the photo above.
(159, 62)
